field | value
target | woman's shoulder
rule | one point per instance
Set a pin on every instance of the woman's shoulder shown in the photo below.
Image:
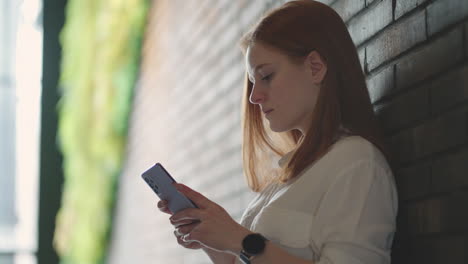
(351, 150)
(355, 148)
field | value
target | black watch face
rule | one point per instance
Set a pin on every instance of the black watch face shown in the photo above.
(254, 244)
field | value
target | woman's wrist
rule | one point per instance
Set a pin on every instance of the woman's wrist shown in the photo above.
(218, 257)
(235, 241)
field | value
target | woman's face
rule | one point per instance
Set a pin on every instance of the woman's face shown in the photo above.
(286, 91)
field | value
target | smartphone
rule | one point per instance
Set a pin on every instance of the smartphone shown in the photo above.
(162, 184)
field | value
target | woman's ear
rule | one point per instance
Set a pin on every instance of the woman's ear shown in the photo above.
(317, 66)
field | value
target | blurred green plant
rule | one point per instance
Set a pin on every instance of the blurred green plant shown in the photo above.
(101, 46)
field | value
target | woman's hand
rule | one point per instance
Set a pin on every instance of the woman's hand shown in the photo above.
(215, 228)
(182, 227)
(182, 230)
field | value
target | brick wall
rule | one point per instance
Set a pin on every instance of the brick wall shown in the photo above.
(187, 116)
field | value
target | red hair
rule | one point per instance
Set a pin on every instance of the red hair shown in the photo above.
(295, 29)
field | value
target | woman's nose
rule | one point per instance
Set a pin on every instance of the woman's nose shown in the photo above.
(256, 97)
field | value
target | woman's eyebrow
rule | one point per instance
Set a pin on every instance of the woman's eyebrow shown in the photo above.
(256, 68)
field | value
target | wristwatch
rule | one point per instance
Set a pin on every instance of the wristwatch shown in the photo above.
(252, 245)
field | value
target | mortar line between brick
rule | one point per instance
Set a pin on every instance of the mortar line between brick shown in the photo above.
(464, 39)
(402, 91)
(361, 12)
(394, 87)
(393, 23)
(366, 69)
(431, 157)
(431, 175)
(426, 23)
(447, 112)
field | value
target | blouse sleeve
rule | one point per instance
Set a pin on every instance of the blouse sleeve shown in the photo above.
(356, 219)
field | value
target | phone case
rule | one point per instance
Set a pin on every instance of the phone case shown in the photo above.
(161, 182)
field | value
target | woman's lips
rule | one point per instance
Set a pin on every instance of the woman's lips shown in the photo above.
(268, 111)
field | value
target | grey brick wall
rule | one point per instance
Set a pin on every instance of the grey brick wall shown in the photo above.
(187, 116)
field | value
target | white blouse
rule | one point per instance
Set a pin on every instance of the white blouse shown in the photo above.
(341, 209)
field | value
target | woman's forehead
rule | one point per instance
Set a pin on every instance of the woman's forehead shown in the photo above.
(259, 55)
(259, 51)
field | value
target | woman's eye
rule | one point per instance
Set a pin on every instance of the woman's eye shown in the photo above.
(267, 78)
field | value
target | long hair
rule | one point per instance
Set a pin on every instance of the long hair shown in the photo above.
(295, 29)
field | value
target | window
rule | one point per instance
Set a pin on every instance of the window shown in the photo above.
(20, 88)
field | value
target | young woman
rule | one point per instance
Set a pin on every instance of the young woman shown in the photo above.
(332, 199)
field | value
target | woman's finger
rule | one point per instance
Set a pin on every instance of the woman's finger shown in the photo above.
(183, 222)
(193, 214)
(200, 200)
(162, 203)
(189, 245)
(162, 206)
(185, 229)
(165, 210)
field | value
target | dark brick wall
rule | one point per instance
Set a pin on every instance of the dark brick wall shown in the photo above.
(417, 77)
(187, 116)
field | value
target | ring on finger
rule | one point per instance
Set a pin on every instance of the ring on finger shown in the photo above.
(181, 241)
(177, 233)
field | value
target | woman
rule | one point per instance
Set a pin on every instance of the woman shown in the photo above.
(332, 199)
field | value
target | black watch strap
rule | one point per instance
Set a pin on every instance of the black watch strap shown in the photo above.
(244, 257)
(252, 245)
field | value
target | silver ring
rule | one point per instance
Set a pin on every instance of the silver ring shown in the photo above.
(177, 233)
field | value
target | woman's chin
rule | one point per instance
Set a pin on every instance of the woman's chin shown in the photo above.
(277, 129)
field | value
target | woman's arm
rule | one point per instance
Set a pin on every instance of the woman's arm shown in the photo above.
(271, 255)
(275, 255)
(219, 257)
(218, 230)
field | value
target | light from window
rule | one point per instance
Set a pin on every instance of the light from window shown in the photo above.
(28, 68)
